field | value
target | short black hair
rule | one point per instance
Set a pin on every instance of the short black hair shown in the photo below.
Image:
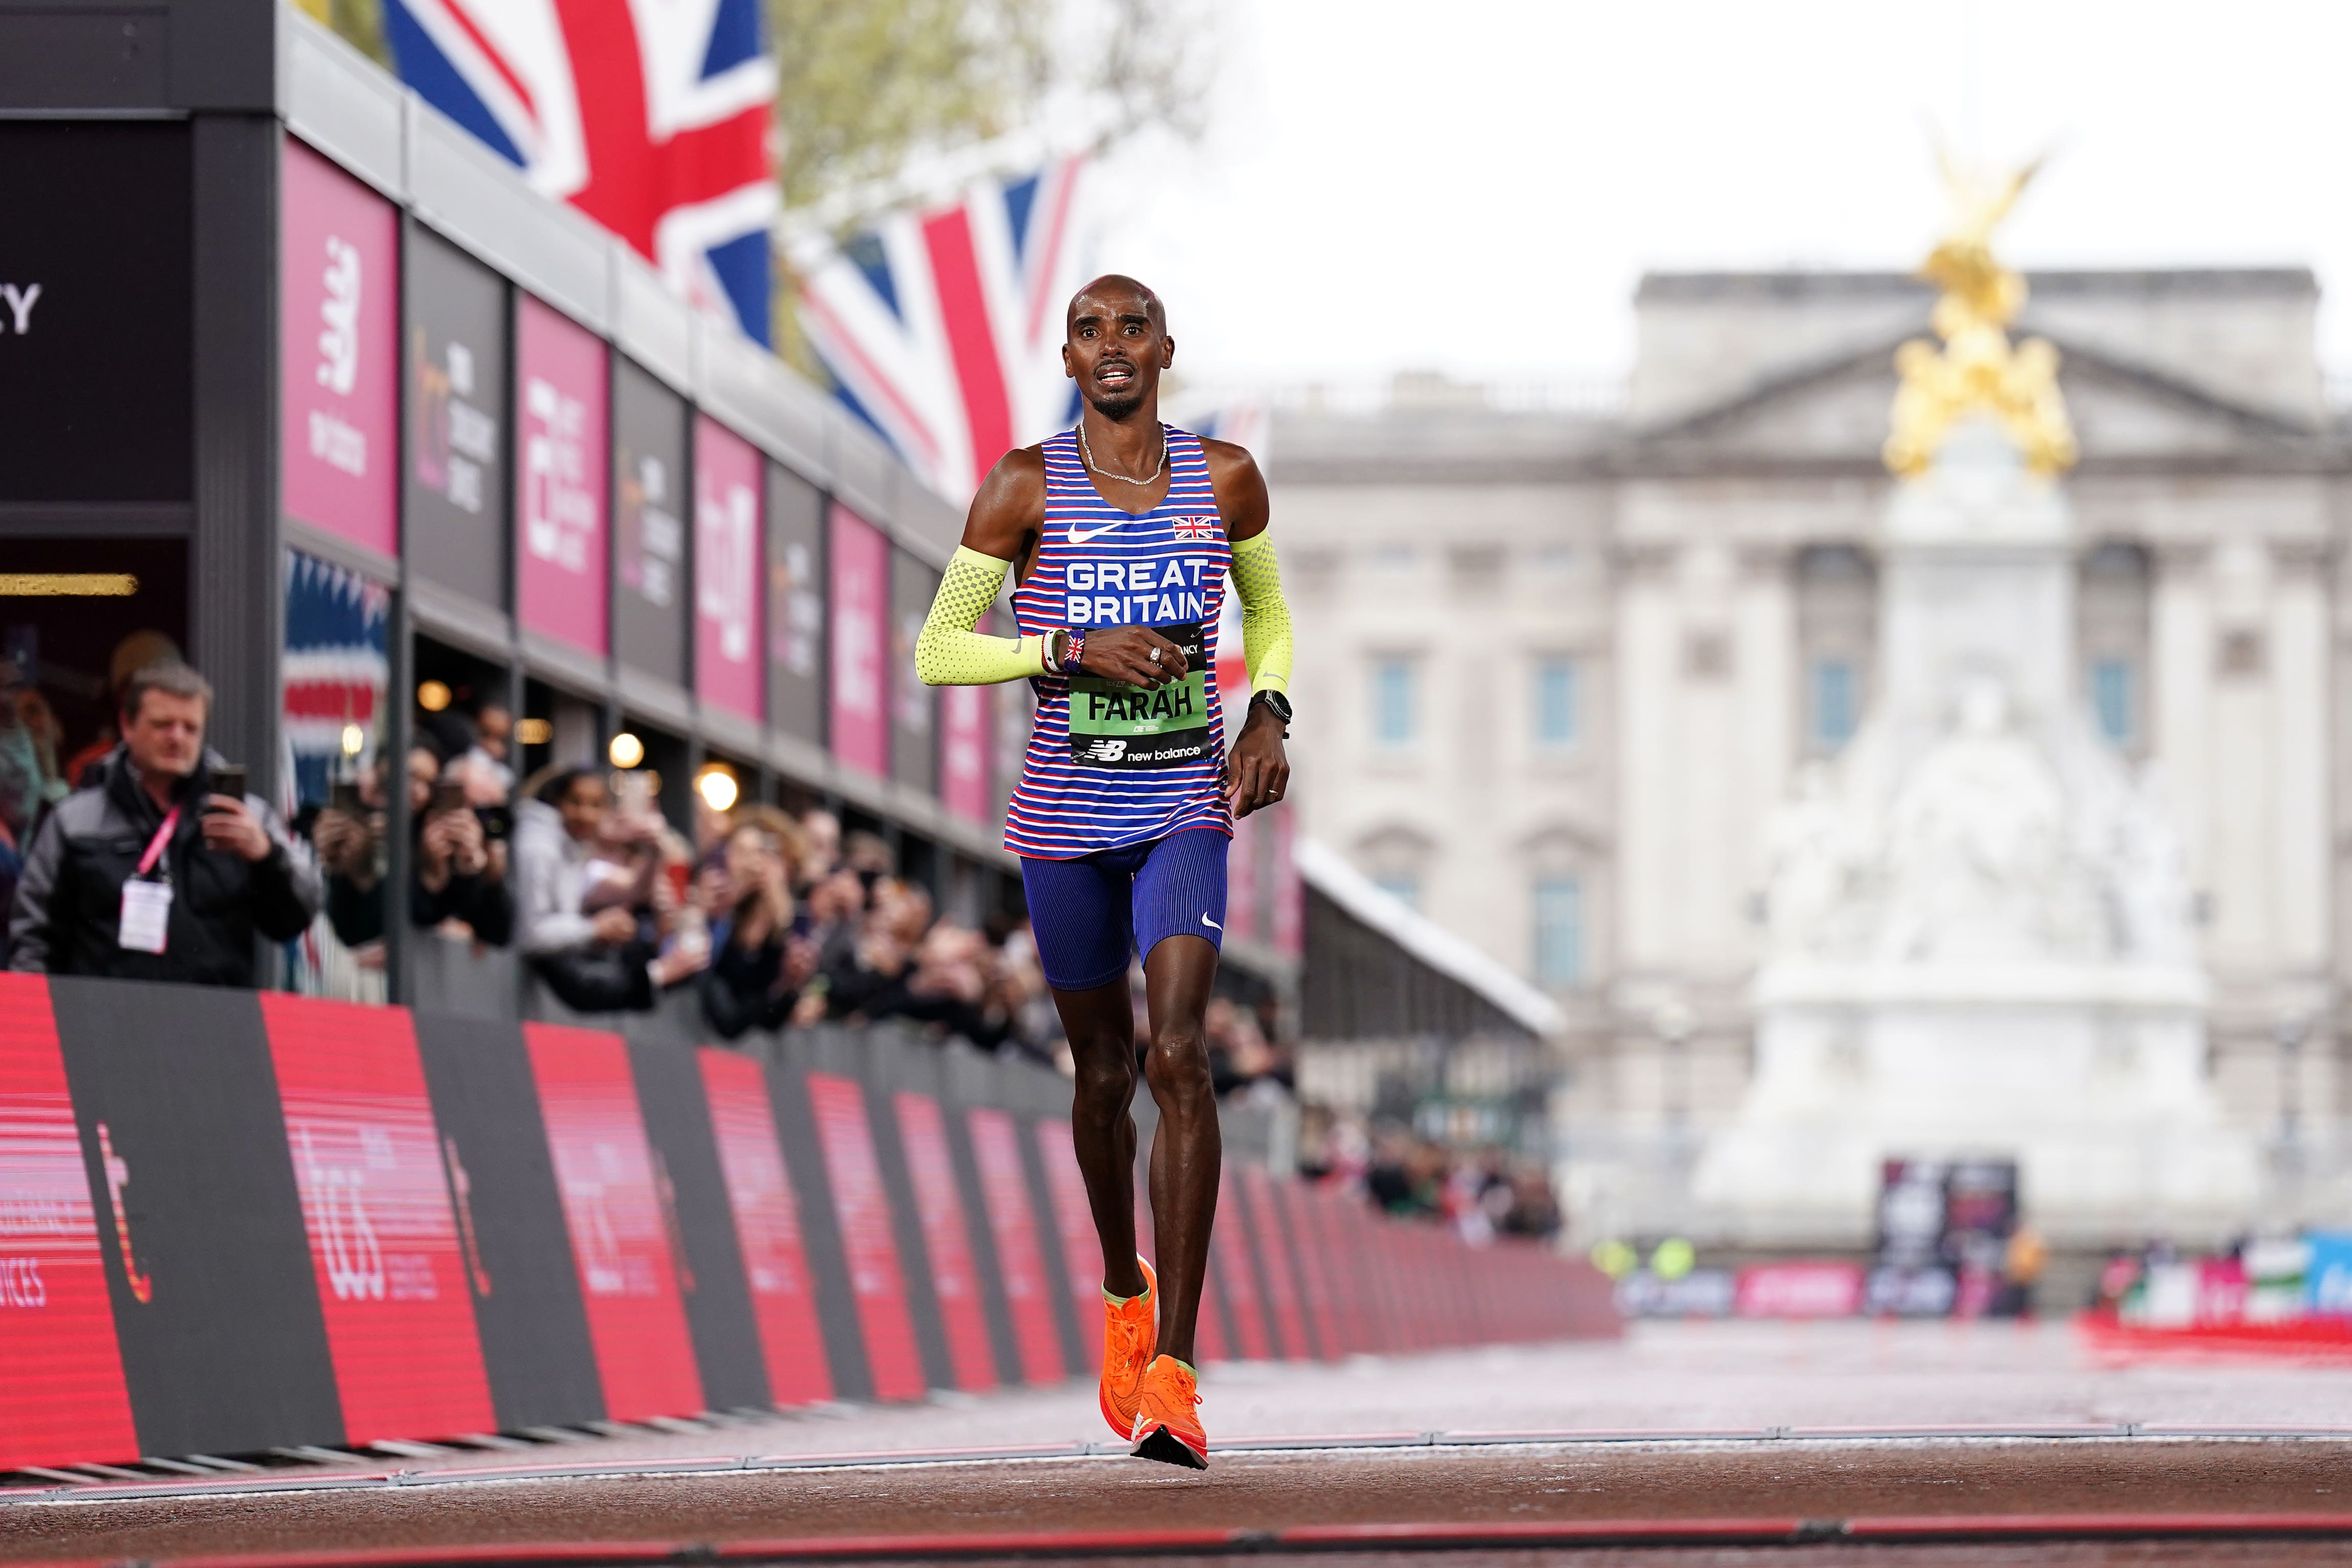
(552, 792)
(169, 677)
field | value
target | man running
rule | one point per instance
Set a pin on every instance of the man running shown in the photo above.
(1123, 529)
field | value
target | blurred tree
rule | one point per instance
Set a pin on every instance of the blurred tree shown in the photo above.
(360, 22)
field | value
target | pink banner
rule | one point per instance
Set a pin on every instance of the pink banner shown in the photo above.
(965, 719)
(938, 1208)
(729, 670)
(63, 1399)
(376, 1202)
(861, 598)
(1012, 1224)
(1798, 1290)
(561, 408)
(338, 341)
(861, 1206)
(767, 1226)
(616, 1211)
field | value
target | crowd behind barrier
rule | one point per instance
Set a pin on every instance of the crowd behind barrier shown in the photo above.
(232, 1221)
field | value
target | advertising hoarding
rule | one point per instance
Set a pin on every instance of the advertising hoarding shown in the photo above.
(199, 1218)
(375, 1206)
(1013, 1225)
(97, 362)
(858, 559)
(869, 1242)
(338, 370)
(1073, 1223)
(947, 1243)
(767, 1226)
(63, 1396)
(623, 1243)
(730, 665)
(797, 587)
(454, 498)
(914, 745)
(650, 586)
(560, 447)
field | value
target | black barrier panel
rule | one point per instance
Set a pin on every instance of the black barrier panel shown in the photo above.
(828, 1264)
(709, 1261)
(796, 581)
(454, 491)
(97, 324)
(886, 1069)
(650, 582)
(216, 1302)
(526, 1306)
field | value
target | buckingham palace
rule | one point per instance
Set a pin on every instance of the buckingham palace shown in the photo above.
(1572, 660)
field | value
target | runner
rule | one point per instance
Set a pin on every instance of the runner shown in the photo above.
(1124, 529)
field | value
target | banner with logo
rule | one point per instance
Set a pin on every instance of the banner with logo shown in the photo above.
(561, 412)
(729, 666)
(860, 559)
(339, 366)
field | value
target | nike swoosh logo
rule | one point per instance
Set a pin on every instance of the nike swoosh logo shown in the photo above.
(1210, 924)
(1077, 538)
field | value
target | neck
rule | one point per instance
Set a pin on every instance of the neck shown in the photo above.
(158, 785)
(1135, 434)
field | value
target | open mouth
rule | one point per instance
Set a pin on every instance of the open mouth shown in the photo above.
(1114, 373)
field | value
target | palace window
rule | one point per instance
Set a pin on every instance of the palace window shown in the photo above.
(1555, 702)
(1834, 702)
(2115, 699)
(1560, 932)
(1396, 718)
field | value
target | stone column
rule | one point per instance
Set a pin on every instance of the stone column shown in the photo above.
(1651, 865)
(2299, 735)
(2180, 678)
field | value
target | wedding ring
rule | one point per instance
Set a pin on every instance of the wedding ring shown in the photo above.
(1155, 655)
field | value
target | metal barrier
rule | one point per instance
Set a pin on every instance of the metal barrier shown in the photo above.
(232, 1221)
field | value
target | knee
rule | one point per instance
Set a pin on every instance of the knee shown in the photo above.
(1178, 1065)
(1106, 1082)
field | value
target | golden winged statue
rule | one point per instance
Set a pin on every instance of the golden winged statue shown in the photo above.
(1978, 371)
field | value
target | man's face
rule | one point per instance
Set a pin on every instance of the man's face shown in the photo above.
(166, 736)
(1114, 352)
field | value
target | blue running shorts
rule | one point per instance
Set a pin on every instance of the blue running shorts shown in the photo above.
(1092, 914)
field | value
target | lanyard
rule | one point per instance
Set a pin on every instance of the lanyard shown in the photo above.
(155, 846)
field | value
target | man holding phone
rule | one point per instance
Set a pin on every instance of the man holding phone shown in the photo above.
(165, 868)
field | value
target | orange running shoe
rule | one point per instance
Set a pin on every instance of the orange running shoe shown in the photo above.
(1130, 1334)
(1165, 1425)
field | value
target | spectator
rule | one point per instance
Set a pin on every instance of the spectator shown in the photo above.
(585, 880)
(457, 873)
(150, 874)
(492, 756)
(758, 962)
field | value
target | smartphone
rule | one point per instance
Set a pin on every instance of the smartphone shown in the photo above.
(448, 796)
(344, 795)
(229, 779)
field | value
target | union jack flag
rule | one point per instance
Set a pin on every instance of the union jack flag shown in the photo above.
(650, 116)
(1194, 528)
(943, 326)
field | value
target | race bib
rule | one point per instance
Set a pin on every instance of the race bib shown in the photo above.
(146, 916)
(1113, 724)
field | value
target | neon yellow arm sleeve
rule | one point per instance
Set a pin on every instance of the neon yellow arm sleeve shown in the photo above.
(1266, 618)
(949, 653)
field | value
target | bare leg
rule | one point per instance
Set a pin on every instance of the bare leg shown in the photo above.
(1101, 1026)
(1188, 1151)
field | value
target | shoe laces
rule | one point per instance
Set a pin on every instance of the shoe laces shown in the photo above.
(1128, 1330)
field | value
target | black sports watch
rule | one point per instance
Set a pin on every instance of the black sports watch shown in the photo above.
(1276, 704)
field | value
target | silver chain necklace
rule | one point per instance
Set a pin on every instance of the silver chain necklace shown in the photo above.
(1088, 454)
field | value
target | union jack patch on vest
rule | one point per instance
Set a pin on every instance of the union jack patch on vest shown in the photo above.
(1194, 528)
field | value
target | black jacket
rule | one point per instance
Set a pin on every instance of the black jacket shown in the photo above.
(70, 900)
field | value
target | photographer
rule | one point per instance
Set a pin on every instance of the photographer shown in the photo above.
(458, 871)
(165, 868)
(593, 903)
(758, 963)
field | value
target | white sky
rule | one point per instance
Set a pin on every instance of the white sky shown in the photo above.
(1476, 185)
